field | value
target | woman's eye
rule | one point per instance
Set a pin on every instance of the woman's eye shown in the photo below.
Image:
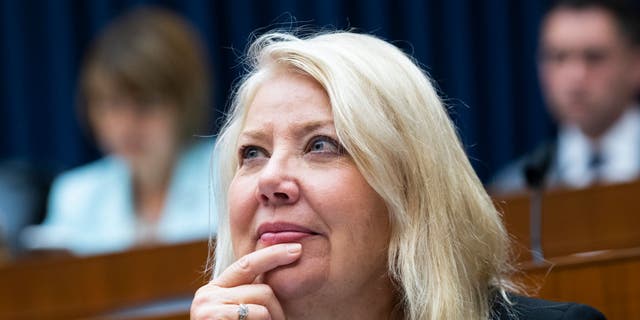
(324, 145)
(251, 152)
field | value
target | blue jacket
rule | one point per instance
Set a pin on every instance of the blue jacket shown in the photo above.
(91, 208)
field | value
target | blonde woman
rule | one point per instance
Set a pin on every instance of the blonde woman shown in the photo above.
(345, 194)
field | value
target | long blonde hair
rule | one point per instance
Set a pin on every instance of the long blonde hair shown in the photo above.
(448, 248)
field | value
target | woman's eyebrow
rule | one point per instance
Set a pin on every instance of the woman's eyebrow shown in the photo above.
(298, 129)
(304, 128)
(254, 134)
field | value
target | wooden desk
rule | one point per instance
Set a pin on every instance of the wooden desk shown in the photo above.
(591, 239)
(598, 218)
(70, 287)
(607, 280)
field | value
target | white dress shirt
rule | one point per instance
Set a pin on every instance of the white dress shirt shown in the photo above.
(619, 151)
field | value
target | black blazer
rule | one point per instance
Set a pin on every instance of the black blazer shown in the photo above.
(524, 308)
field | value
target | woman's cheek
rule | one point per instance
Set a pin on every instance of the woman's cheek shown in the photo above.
(242, 207)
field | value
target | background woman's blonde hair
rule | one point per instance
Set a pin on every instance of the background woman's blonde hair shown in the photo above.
(448, 248)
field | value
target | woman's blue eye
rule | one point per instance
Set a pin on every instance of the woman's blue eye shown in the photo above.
(323, 144)
(251, 152)
(318, 145)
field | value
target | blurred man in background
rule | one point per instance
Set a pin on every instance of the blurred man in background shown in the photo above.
(589, 68)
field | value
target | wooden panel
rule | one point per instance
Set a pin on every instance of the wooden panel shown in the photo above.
(69, 287)
(591, 238)
(176, 315)
(515, 214)
(598, 218)
(606, 280)
(593, 219)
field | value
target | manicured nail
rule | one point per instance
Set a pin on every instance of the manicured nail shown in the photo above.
(294, 248)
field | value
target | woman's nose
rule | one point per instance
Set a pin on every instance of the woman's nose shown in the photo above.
(276, 184)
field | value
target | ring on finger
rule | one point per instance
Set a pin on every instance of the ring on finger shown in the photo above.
(243, 311)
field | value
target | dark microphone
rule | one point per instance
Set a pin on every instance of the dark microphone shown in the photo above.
(537, 165)
(536, 169)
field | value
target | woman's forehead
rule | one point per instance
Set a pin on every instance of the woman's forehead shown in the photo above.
(288, 99)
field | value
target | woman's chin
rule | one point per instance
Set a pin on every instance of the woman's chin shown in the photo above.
(296, 280)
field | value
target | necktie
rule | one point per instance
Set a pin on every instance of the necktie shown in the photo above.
(595, 165)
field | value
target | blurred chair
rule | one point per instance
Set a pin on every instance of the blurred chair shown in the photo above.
(23, 198)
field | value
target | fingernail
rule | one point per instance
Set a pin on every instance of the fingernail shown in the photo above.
(294, 247)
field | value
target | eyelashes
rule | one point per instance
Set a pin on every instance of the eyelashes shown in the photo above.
(318, 145)
(324, 144)
(247, 152)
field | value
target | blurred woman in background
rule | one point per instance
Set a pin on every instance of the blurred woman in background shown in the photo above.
(144, 93)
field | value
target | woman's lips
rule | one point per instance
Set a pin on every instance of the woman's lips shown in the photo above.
(271, 233)
(271, 238)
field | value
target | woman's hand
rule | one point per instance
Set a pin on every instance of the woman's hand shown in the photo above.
(221, 298)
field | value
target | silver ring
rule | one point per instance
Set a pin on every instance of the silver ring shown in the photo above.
(243, 311)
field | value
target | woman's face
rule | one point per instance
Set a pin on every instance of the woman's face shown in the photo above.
(296, 184)
(143, 135)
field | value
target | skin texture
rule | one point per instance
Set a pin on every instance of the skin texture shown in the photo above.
(589, 71)
(294, 175)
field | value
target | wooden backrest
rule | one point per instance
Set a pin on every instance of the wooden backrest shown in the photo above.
(608, 280)
(71, 287)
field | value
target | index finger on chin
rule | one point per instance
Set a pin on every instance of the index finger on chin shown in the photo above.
(246, 269)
